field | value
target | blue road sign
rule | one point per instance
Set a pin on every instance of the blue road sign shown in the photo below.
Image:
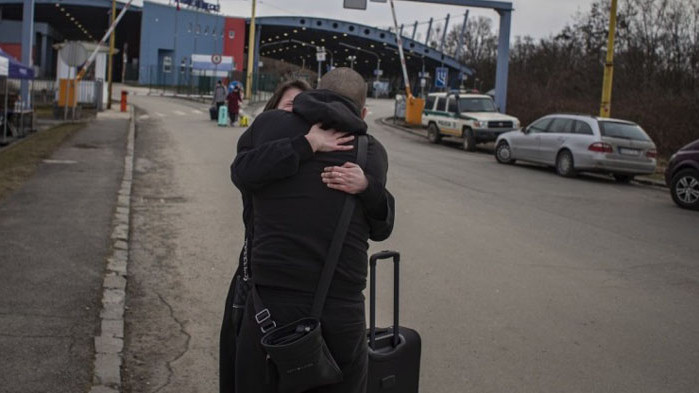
(441, 74)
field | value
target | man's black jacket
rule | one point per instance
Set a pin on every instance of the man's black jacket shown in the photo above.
(294, 213)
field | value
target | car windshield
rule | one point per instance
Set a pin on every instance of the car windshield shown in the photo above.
(480, 104)
(613, 129)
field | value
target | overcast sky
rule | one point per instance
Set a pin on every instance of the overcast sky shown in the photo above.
(537, 18)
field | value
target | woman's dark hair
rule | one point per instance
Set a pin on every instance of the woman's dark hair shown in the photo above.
(281, 89)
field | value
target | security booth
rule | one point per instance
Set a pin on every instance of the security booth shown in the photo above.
(91, 90)
(16, 117)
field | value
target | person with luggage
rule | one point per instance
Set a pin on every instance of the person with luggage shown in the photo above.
(294, 185)
(219, 98)
(234, 99)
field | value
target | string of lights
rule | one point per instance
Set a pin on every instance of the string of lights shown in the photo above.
(77, 23)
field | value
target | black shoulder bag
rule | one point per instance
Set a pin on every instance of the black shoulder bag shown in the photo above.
(298, 350)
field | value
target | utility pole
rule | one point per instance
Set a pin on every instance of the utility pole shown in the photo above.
(606, 105)
(110, 64)
(251, 52)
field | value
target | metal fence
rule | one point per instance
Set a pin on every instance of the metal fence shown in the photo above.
(188, 83)
(17, 119)
(90, 93)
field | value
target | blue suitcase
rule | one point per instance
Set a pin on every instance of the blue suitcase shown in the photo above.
(223, 116)
(394, 353)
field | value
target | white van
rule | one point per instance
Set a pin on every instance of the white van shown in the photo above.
(472, 118)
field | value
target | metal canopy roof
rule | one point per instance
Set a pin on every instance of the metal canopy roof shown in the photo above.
(296, 38)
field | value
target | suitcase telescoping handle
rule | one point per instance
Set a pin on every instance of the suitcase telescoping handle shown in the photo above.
(372, 301)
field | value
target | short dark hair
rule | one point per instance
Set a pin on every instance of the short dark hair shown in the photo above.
(282, 88)
(346, 82)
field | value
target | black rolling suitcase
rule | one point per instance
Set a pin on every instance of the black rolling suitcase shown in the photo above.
(213, 113)
(394, 352)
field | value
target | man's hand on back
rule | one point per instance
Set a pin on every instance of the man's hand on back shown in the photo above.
(328, 140)
(348, 178)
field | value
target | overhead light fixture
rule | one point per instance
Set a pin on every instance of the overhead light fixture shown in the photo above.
(296, 31)
(286, 34)
(334, 37)
(57, 5)
(67, 13)
(344, 34)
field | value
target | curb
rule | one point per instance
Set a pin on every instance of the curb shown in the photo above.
(110, 343)
(650, 182)
(387, 121)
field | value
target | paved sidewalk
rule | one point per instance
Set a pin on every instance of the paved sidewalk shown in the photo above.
(55, 235)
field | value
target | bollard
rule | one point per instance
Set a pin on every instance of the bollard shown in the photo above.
(124, 93)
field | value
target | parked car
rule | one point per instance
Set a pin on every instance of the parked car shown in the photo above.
(471, 118)
(682, 176)
(581, 143)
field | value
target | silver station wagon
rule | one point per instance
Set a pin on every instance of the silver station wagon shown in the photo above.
(573, 143)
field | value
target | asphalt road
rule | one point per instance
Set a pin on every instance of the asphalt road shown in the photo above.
(518, 280)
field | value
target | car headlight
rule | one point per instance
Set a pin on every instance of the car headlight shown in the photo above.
(481, 124)
(517, 124)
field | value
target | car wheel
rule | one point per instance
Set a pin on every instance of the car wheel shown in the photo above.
(469, 142)
(623, 178)
(565, 166)
(685, 188)
(503, 153)
(433, 133)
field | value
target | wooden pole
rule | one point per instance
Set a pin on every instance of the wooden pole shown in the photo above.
(251, 53)
(606, 105)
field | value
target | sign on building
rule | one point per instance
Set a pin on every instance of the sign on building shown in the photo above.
(212, 65)
(441, 76)
(355, 4)
(201, 4)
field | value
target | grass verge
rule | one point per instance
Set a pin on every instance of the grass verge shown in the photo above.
(19, 161)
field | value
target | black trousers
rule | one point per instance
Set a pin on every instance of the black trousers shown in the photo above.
(344, 330)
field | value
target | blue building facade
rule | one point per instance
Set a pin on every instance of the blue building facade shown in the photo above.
(169, 37)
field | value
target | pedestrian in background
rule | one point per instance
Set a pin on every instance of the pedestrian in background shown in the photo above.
(234, 99)
(219, 96)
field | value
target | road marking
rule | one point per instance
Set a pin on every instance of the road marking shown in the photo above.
(159, 114)
(196, 111)
(179, 113)
(60, 162)
(144, 117)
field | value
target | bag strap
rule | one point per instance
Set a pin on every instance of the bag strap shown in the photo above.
(262, 315)
(338, 238)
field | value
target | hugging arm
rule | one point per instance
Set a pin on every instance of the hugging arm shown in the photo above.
(256, 166)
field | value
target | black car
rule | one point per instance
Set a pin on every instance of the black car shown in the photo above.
(682, 176)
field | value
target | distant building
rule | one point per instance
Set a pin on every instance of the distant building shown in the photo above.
(159, 39)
